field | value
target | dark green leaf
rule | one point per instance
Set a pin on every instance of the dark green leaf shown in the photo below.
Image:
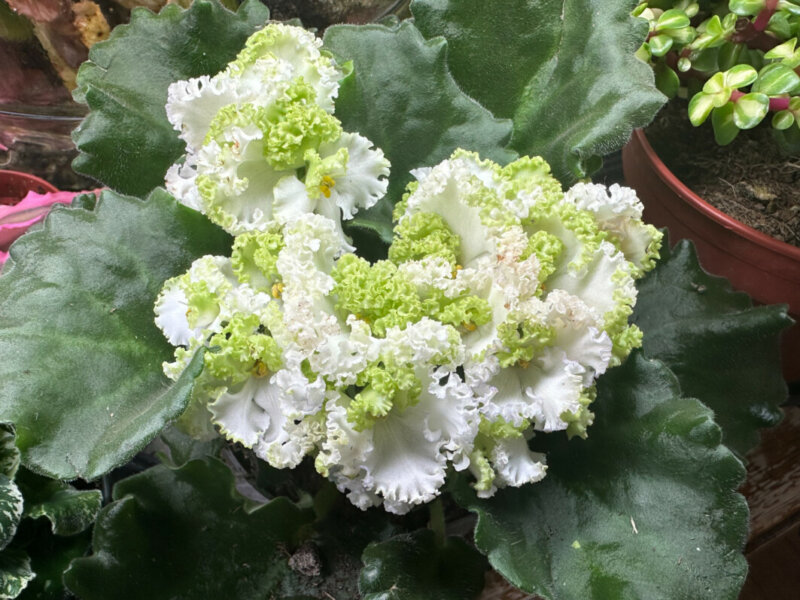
(402, 97)
(644, 508)
(9, 453)
(183, 535)
(179, 448)
(50, 556)
(15, 572)
(126, 141)
(788, 140)
(81, 368)
(563, 70)
(69, 511)
(667, 80)
(10, 510)
(414, 567)
(723, 351)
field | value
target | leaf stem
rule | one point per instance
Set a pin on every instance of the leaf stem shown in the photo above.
(749, 33)
(436, 523)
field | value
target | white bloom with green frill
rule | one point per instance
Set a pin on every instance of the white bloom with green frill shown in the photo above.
(556, 272)
(501, 302)
(262, 143)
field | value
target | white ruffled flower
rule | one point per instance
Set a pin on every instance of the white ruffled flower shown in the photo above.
(502, 302)
(262, 142)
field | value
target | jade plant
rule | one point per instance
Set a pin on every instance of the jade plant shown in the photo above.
(737, 60)
(350, 321)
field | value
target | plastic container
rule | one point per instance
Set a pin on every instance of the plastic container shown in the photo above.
(766, 268)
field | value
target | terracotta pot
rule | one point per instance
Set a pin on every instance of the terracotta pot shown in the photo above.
(767, 269)
(15, 185)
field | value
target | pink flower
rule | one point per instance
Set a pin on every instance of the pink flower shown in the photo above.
(15, 220)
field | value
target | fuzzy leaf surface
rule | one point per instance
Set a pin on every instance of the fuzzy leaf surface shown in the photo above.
(15, 572)
(412, 566)
(9, 453)
(723, 350)
(401, 96)
(644, 508)
(184, 534)
(10, 509)
(126, 141)
(81, 369)
(563, 70)
(50, 556)
(69, 511)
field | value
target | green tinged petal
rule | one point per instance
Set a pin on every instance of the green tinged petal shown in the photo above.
(233, 115)
(300, 125)
(579, 421)
(255, 256)
(522, 340)
(624, 337)
(531, 173)
(482, 469)
(547, 248)
(377, 293)
(466, 310)
(322, 173)
(423, 235)
(401, 207)
(501, 429)
(243, 351)
(386, 386)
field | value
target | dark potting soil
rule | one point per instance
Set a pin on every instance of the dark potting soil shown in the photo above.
(749, 179)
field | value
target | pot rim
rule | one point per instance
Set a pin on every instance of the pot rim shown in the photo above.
(680, 188)
(32, 180)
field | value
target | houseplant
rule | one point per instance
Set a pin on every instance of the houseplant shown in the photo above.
(736, 63)
(645, 506)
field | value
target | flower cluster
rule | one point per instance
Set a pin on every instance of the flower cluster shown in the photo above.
(501, 301)
(262, 144)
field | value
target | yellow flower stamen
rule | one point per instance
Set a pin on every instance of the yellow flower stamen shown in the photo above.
(260, 369)
(469, 326)
(327, 183)
(277, 290)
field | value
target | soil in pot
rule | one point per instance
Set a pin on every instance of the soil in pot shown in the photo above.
(749, 179)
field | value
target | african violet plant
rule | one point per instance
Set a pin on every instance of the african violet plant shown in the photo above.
(738, 61)
(362, 309)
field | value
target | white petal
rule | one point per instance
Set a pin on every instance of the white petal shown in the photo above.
(298, 395)
(450, 413)
(180, 181)
(291, 199)
(604, 283)
(247, 411)
(553, 385)
(405, 467)
(515, 464)
(365, 179)
(170, 309)
(192, 104)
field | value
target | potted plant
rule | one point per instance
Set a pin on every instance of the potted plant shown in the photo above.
(330, 307)
(15, 188)
(736, 62)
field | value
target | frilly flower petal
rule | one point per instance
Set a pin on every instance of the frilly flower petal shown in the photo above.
(245, 412)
